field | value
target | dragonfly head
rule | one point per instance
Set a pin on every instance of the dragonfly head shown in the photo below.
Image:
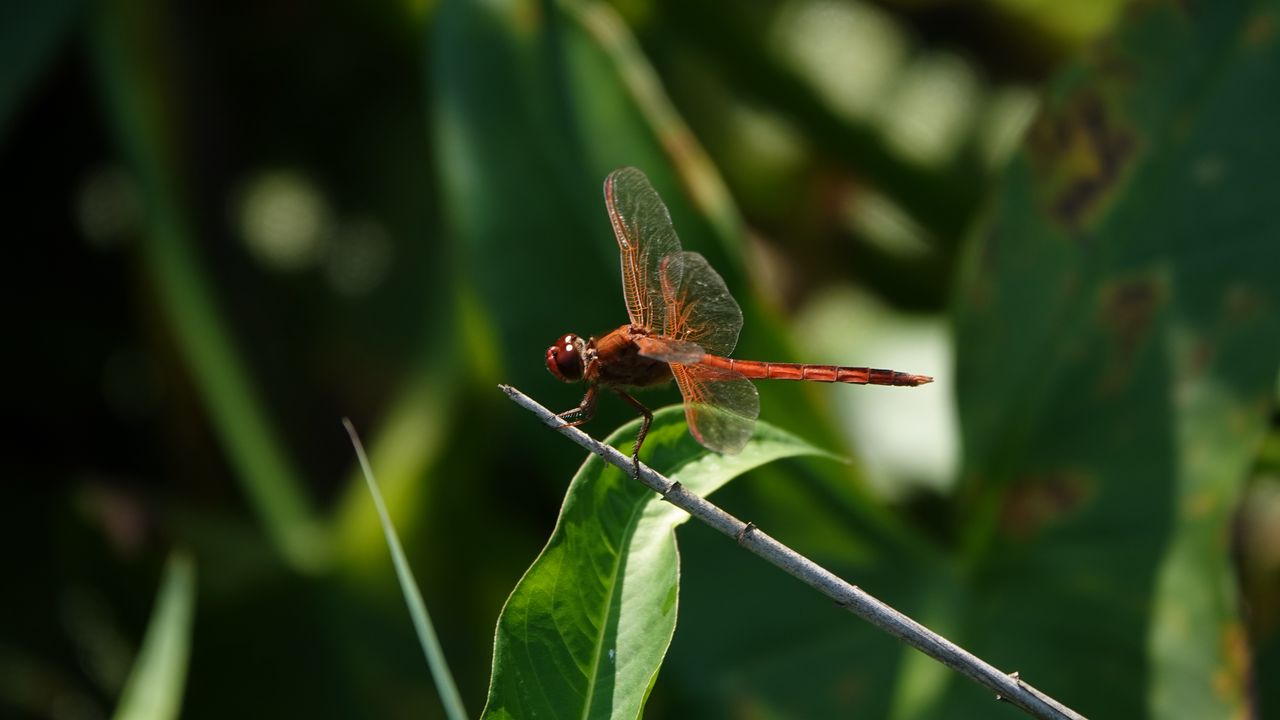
(564, 358)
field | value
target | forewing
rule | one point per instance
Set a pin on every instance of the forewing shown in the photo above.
(699, 306)
(721, 406)
(645, 235)
(669, 350)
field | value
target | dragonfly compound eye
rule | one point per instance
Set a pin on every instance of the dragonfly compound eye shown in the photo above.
(564, 359)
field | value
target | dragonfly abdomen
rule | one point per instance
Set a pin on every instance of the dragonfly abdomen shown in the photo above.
(817, 373)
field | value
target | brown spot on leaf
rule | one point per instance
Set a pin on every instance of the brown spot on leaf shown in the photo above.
(1127, 310)
(1199, 505)
(1260, 30)
(527, 16)
(1129, 306)
(849, 689)
(1081, 150)
(1229, 679)
(1201, 357)
(1038, 501)
(1244, 303)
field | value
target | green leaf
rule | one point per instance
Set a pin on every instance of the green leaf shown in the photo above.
(154, 688)
(585, 631)
(1119, 330)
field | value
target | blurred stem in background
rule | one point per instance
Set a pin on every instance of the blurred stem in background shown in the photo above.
(697, 171)
(137, 66)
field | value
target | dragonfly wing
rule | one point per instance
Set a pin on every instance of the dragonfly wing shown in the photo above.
(720, 405)
(646, 237)
(699, 307)
(670, 350)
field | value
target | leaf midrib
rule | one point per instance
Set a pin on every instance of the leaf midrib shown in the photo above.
(632, 522)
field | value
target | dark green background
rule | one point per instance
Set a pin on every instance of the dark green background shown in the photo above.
(1111, 284)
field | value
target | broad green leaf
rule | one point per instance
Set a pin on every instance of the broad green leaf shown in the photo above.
(585, 631)
(154, 688)
(1118, 338)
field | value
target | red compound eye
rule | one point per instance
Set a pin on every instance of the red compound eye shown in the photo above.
(564, 360)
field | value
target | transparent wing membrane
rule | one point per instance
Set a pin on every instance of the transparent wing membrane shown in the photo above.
(720, 406)
(645, 235)
(699, 307)
(687, 309)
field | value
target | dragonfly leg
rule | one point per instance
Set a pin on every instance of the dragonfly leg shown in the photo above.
(584, 412)
(644, 428)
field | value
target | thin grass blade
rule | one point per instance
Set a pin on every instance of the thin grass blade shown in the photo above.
(155, 686)
(448, 690)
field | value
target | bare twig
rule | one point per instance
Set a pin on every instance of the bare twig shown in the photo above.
(1008, 687)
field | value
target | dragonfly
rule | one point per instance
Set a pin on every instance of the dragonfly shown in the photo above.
(683, 325)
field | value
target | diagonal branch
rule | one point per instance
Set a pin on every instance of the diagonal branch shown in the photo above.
(1008, 687)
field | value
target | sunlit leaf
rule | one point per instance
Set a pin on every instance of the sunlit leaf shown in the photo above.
(587, 627)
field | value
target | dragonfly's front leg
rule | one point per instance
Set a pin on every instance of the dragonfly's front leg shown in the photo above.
(644, 429)
(584, 412)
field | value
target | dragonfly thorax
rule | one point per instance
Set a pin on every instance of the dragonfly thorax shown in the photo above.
(566, 358)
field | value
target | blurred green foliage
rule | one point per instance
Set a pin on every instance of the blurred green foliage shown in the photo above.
(237, 223)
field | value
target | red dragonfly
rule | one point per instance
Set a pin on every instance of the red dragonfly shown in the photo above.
(684, 324)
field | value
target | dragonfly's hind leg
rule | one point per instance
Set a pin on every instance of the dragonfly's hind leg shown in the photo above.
(584, 412)
(644, 429)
